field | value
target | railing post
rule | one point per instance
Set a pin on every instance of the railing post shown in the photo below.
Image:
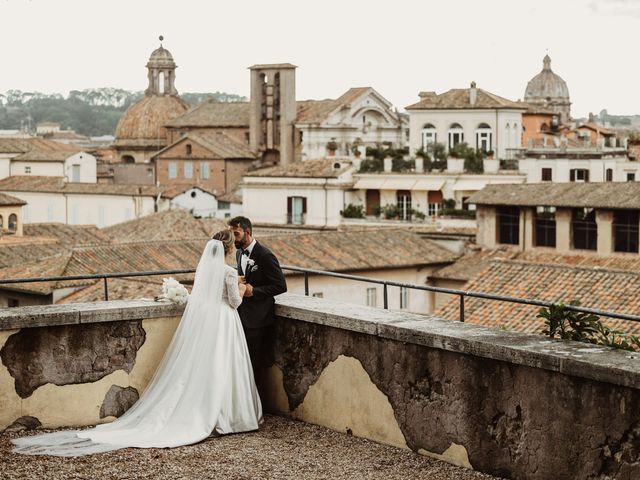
(462, 308)
(385, 296)
(306, 283)
(106, 289)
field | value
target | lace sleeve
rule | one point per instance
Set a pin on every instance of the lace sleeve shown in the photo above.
(231, 285)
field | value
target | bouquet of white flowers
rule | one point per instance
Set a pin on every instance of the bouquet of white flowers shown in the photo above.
(173, 290)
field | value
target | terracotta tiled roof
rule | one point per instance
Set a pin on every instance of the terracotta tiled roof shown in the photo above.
(354, 251)
(68, 235)
(604, 289)
(175, 224)
(231, 197)
(46, 267)
(596, 128)
(306, 169)
(211, 113)
(29, 183)
(458, 98)
(23, 145)
(8, 200)
(317, 111)
(119, 289)
(39, 156)
(23, 253)
(218, 143)
(472, 263)
(172, 191)
(593, 195)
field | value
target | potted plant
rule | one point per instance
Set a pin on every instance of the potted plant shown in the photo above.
(332, 146)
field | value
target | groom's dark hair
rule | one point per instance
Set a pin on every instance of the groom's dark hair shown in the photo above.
(243, 222)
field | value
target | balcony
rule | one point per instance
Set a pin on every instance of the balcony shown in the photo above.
(504, 403)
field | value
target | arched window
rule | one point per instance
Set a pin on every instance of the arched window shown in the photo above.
(128, 159)
(13, 222)
(608, 177)
(428, 135)
(1, 223)
(484, 137)
(507, 135)
(455, 135)
(544, 127)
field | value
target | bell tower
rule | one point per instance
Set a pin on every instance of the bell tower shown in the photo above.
(161, 72)
(273, 112)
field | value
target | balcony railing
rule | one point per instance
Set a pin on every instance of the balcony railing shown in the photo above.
(306, 272)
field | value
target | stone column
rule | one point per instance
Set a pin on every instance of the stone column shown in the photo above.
(563, 230)
(604, 220)
(526, 220)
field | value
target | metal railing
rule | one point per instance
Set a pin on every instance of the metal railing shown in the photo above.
(309, 271)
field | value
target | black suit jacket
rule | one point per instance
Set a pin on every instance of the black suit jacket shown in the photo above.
(267, 280)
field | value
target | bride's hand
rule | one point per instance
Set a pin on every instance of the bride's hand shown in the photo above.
(242, 287)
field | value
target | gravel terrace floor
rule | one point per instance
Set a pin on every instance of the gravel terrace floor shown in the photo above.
(282, 448)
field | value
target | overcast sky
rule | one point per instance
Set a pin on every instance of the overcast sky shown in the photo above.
(399, 47)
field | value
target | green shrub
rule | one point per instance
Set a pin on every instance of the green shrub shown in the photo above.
(352, 211)
(584, 327)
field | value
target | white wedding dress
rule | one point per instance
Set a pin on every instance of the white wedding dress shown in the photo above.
(203, 384)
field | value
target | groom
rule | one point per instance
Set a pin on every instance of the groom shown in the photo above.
(259, 269)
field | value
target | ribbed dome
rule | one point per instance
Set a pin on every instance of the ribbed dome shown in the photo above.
(161, 58)
(546, 85)
(146, 118)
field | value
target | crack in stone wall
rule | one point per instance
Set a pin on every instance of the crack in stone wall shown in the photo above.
(514, 421)
(70, 354)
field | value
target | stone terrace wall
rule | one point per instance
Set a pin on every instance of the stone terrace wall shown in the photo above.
(509, 404)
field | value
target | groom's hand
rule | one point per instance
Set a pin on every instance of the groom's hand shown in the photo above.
(242, 279)
(249, 291)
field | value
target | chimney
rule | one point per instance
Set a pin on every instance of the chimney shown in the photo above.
(473, 94)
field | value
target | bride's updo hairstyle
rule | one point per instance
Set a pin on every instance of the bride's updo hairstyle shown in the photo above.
(226, 237)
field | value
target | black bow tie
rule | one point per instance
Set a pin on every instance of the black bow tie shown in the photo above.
(246, 252)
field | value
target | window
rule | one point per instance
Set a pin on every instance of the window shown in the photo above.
(13, 222)
(27, 170)
(12, 302)
(75, 173)
(189, 149)
(456, 135)
(1, 223)
(296, 210)
(584, 229)
(372, 297)
(508, 219)
(404, 297)
(631, 177)
(318, 295)
(608, 176)
(429, 135)
(224, 205)
(545, 227)
(188, 170)
(484, 137)
(625, 230)
(547, 174)
(579, 175)
(204, 171)
(173, 170)
(403, 198)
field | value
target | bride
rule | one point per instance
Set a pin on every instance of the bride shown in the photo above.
(204, 383)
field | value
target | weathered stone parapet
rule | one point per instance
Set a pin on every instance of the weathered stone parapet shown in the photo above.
(571, 358)
(76, 313)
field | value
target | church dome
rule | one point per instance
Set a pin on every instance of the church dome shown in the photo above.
(546, 85)
(145, 119)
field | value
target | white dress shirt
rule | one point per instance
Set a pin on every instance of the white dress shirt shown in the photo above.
(244, 259)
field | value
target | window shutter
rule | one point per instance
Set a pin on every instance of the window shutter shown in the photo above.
(572, 175)
(289, 206)
(586, 175)
(304, 205)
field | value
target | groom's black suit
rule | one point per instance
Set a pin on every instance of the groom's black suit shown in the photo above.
(257, 312)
